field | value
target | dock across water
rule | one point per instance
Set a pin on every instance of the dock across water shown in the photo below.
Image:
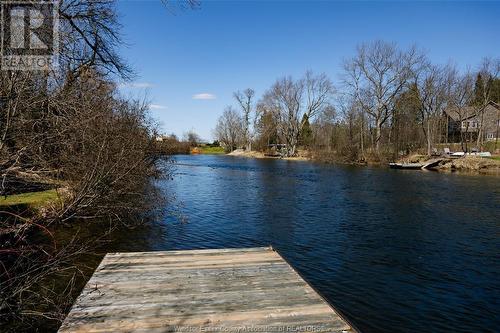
(227, 290)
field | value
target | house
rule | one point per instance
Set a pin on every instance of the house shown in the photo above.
(491, 120)
(468, 120)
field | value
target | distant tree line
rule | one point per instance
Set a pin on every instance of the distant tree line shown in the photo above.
(171, 144)
(389, 102)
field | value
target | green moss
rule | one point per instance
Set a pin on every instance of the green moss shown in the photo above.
(33, 199)
(211, 150)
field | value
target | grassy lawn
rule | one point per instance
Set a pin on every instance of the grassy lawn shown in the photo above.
(34, 199)
(211, 150)
(496, 158)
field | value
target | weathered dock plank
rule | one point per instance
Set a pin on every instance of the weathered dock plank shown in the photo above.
(228, 290)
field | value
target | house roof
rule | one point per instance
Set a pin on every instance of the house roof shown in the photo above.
(460, 113)
(466, 112)
(495, 104)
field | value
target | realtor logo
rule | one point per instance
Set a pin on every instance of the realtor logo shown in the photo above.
(29, 35)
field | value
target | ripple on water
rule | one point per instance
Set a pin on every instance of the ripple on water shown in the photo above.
(394, 251)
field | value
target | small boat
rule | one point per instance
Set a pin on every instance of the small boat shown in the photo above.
(480, 154)
(408, 166)
(196, 151)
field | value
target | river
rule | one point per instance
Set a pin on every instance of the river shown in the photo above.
(393, 250)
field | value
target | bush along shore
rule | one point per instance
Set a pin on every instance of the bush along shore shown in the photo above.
(77, 161)
(87, 173)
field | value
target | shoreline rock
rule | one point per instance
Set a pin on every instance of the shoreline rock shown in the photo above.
(257, 154)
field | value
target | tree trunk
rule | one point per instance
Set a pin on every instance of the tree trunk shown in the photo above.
(378, 134)
(428, 135)
(447, 129)
(480, 132)
(496, 135)
(362, 139)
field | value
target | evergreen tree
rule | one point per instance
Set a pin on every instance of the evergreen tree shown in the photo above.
(479, 90)
(493, 85)
(305, 138)
(495, 90)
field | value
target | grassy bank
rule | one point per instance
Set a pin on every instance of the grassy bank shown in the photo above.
(208, 150)
(32, 199)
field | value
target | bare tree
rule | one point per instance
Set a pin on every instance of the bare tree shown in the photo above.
(68, 128)
(90, 35)
(291, 102)
(323, 129)
(89, 32)
(192, 138)
(265, 126)
(430, 83)
(460, 93)
(229, 129)
(284, 100)
(407, 123)
(95, 146)
(245, 101)
(376, 75)
(319, 92)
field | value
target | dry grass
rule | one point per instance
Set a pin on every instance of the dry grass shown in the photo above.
(472, 163)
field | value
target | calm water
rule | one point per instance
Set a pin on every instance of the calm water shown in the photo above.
(395, 251)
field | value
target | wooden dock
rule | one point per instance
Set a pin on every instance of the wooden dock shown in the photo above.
(419, 166)
(229, 290)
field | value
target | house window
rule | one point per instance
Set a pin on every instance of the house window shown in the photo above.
(469, 124)
(489, 136)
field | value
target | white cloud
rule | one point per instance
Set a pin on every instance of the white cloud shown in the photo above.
(157, 107)
(204, 96)
(137, 85)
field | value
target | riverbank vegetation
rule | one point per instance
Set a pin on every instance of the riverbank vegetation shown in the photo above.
(210, 149)
(167, 145)
(171, 145)
(390, 103)
(75, 156)
(76, 134)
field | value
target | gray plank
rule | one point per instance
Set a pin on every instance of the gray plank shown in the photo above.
(199, 290)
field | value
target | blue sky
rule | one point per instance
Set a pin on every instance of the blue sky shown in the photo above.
(189, 64)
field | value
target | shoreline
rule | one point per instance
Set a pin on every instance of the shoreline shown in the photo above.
(471, 165)
(260, 155)
(466, 164)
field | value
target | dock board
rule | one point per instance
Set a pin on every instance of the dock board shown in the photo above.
(228, 290)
